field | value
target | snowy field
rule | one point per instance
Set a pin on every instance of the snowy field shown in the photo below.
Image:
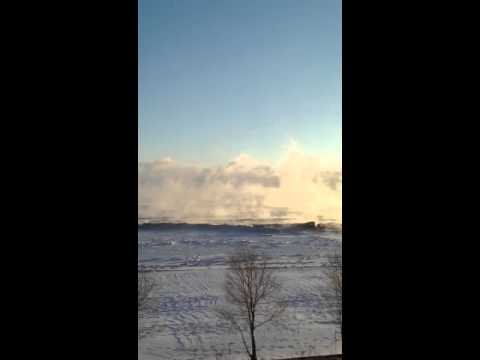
(188, 265)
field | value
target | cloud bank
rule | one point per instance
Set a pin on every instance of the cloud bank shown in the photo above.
(300, 187)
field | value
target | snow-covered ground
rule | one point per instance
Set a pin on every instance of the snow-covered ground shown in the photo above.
(189, 270)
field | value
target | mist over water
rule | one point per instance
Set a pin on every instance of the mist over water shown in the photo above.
(299, 188)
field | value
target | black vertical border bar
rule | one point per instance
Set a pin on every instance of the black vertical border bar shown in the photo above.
(135, 112)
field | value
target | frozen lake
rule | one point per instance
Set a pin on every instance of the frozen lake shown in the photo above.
(188, 264)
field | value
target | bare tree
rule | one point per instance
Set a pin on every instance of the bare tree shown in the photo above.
(331, 292)
(252, 293)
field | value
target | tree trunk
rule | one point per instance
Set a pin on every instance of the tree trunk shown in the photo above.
(252, 337)
(254, 346)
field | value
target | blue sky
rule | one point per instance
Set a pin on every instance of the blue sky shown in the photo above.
(220, 78)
